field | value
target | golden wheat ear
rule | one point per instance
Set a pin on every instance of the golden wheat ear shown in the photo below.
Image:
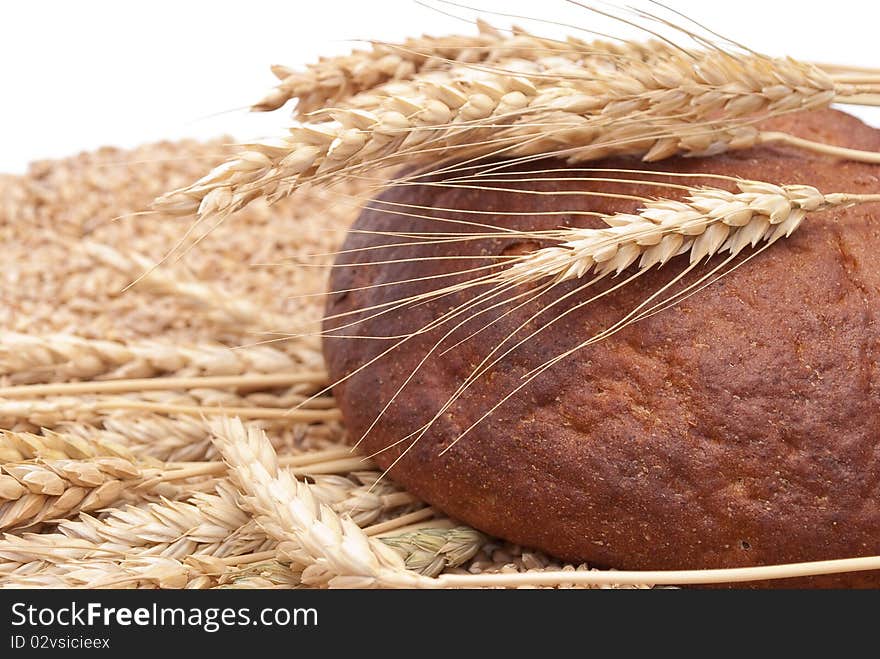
(707, 221)
(345, 80)
(696, 104)
(332, 80)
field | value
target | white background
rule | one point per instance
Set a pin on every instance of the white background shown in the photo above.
(78, 75)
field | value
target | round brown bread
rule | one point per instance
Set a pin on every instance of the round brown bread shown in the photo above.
(738, 428)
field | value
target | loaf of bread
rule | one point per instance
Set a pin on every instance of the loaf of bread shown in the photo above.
(740, 427)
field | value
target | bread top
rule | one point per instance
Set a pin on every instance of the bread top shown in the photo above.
(739, 427)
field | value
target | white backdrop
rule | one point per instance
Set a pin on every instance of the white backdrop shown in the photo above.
(78, 75)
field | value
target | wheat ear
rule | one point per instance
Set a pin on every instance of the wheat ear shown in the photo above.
(200, 387)
(49, 445)
(430, 551)
(334, 79)
(706, 222)
(52, 489)
(156, 436)
(29, 358)
(695, 106)
(209, 532)
(51, 412)
(181, 438)
(209, 526)
(334, 549)
(138, 572)
(226, 308)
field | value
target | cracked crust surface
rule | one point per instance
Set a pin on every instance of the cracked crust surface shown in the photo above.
(740, 427)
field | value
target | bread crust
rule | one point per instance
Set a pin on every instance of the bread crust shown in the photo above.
(738, 428)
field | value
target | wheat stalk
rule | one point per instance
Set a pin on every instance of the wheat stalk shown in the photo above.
(202, 527)
(428, 551)
(197, 385)
(139, 572)
(209, 524)
(175, 530)
(699, 105)
(209, 532)
(335, 81)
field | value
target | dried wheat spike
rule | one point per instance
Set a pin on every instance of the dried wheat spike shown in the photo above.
(269, 574)
(708, 221)
(50, 445)
(136, 572)
(334, 549)
(333, 79)
(165, 438)
(52, 489)
(227, 308)
(208, 526)
(28, 358)
(699, 106)
(430, 551)
(26, 414)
